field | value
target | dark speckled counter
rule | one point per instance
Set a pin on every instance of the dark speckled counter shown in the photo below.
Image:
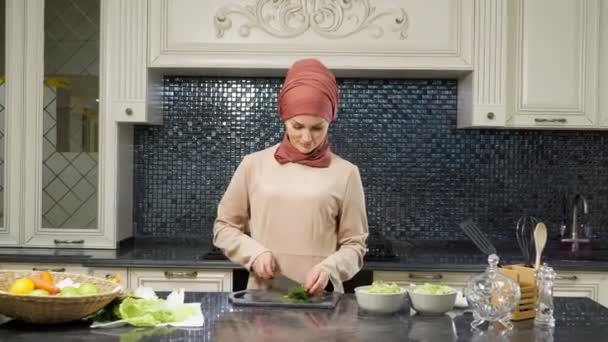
(141, 253)
(412, 256)
(577, 319)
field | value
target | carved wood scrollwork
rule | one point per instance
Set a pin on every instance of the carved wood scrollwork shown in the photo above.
(332, 19)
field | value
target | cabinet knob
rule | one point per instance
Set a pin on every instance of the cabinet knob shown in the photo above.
(491, 115)
(129, 111)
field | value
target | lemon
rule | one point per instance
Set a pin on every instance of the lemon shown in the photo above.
(22, 286)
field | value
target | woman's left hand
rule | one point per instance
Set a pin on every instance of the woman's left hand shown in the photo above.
(316, 280)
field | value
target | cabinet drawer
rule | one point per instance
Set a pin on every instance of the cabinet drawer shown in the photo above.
(588, 291)
(457, 280)
(579, 284)
(70, 268)
(188, 279)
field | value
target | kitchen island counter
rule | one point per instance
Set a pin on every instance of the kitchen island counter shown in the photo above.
(576, 319)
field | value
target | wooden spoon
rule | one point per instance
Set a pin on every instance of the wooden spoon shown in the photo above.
(540, 239)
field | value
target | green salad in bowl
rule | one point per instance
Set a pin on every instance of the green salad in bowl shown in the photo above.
(434, 289)
(380, 297)
(380, 287)
(432, 299)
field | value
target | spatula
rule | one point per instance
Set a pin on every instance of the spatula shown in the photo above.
(478, 237)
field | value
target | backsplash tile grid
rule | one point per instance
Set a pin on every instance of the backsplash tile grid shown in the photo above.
(421, 175)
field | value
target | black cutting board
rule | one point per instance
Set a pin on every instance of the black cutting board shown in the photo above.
(327, 300)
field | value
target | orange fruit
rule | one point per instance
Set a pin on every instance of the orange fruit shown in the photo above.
(22, 286)
(47, 276)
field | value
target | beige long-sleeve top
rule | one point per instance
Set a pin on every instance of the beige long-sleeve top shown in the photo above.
(304, 215)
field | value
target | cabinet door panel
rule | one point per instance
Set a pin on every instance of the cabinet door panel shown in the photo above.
(62, 118)
(579, 291)
(555, 59)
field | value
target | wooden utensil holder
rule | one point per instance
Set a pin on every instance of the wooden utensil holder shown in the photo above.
(526, 278)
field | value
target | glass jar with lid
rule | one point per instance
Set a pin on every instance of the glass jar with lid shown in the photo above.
(492, 296)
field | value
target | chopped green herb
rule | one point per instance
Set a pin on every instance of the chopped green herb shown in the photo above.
(297, 294)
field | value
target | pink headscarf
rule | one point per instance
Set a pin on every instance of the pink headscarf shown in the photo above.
(309, 88)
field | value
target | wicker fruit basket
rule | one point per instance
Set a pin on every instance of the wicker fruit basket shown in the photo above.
(54, 309)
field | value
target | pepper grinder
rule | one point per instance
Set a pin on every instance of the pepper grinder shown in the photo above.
(545, 278)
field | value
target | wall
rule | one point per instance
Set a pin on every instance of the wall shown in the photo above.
(421, 175)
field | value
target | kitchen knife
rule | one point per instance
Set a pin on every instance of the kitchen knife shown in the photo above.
(282, 283)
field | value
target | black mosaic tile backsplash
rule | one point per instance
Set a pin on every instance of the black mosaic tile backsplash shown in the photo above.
(421, 175)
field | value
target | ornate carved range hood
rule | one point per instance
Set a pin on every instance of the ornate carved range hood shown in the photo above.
(328, 19)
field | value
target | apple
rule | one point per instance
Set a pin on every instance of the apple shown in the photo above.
(39, 293)
(69, 291)
(88, 289)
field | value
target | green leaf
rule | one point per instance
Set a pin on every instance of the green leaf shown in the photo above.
(149, 312)
(297, 294)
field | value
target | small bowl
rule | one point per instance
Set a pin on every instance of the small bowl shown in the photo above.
(429, 304)
(384, 303)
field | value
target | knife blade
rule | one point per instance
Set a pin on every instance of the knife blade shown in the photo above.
(282, 283)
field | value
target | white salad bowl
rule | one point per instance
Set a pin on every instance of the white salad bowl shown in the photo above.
(384, 303)
(432, 303)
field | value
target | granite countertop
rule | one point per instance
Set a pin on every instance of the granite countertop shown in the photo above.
(440, 256)
(463, 256)
(576, 319)
(139, 253)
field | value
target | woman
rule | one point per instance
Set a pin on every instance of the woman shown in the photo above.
(302, 204)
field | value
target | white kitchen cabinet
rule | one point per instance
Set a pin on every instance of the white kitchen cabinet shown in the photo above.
(512, 71)
(482, 94)
(538, 64)
(380, 38)
(457, 280)
(54, 267)
(593, 285)
(135, 93)
(190, 279)
(554, 63)
(61, 145)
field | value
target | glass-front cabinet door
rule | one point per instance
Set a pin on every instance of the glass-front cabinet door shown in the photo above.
(63, 122)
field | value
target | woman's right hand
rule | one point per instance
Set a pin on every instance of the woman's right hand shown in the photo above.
(264, 266)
